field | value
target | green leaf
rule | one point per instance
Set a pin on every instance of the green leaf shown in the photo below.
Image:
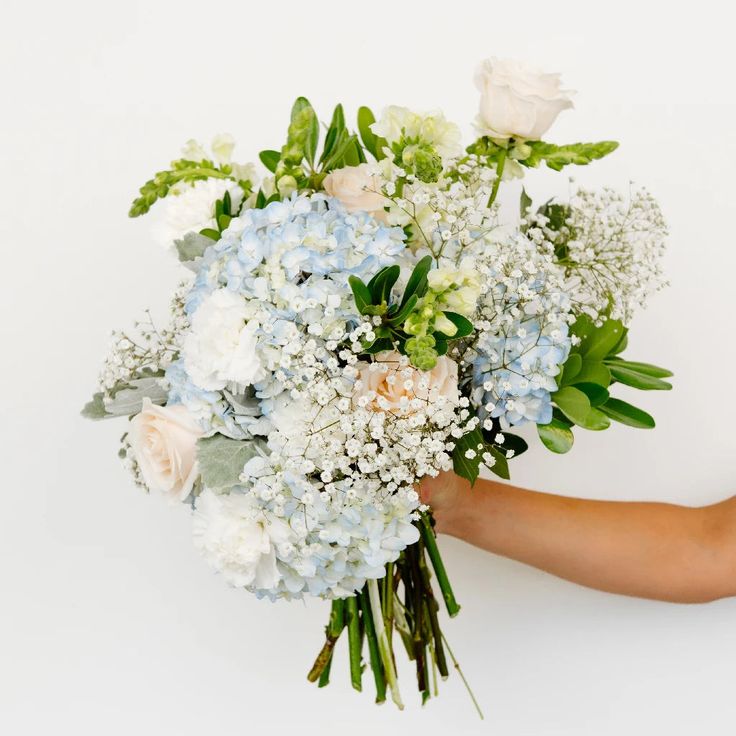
(646, 369)
(601, 340)
(373, 144)
(525, 201)
(360, 293)
(621, 344)
(334, 132)
(571, 368)
(192, 246)
(417, 283)
(466, 467)
(379, 345)
(501, 466)
(95, 409)
(464, 325)
(556, 436)
(557, 157)
(596, 393)
(381, 284)
(595, 421)
(221, 460)
(270, 159)
(211, 234)
(638, 380)
(621, 411)
(336, 160)
(223, 221)
(403, 312)
(573, 403)
(593, 371)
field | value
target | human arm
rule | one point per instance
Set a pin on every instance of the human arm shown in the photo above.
(650, 550)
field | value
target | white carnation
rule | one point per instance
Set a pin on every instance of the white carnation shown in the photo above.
(220, 348)
(192, 208)
(238, 539)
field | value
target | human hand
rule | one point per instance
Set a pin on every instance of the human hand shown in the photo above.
(447, 494)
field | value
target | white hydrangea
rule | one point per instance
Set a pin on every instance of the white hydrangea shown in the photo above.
(431, 127)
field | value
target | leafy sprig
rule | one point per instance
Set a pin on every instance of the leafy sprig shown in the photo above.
(583, 398)
(411, 325)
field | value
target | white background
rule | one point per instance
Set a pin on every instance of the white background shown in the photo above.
(109, 622)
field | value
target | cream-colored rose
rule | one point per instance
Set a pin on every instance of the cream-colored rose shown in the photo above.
(164, 442)
(392, 384)
(516, 100)
(357, 188)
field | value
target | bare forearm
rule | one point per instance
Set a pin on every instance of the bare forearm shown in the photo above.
(649, 550)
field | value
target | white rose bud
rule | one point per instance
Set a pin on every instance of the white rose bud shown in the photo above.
(516, 100)
(164, 442)
(357, 188)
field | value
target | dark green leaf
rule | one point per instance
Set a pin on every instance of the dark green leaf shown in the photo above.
(360, 293)
(403, 312)
(270, 159)
(379, 345)
(464, 325)
(381, 284)
(621, 411)
(596, 394)
(501, 465)
(417, 283)
(556, 436)
(525, 202)
(466, 467)
(515, 443)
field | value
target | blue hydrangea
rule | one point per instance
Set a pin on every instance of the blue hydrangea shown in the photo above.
(514, 374)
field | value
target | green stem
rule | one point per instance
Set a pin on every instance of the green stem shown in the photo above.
(324, 678)
(432, 609)
(499, 173)
(430, 542)
(333, 630)
(462, 677)
(373, 653)
(354, 641)
(383, 644)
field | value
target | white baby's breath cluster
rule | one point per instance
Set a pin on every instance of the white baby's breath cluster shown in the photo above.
(147, 350)
(611, 247)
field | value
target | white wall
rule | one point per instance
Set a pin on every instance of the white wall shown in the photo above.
(109, 622)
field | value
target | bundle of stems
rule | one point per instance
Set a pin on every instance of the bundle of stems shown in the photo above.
(402, 602)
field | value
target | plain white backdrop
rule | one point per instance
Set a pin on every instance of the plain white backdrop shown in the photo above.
(109, 622)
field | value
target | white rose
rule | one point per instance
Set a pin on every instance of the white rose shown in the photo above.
(387, 389)
(238, 539)
(220, 347)
(357, 187)
(516, 100)
(164, 442)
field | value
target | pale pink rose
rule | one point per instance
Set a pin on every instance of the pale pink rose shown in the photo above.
(164, 443)
(357, 189)
(388, 389)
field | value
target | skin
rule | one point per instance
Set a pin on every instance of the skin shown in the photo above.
(649, 550)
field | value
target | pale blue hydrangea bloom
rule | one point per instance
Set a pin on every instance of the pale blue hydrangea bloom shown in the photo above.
(514, 375)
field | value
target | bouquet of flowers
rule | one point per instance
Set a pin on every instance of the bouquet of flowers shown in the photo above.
(361, 317)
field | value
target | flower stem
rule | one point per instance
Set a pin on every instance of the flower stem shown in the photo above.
(354, 641)
(462, 677)
(324, 678)
(430, 542)
(383, 644)
(373, 654)
(499, 173)
(333, 630)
